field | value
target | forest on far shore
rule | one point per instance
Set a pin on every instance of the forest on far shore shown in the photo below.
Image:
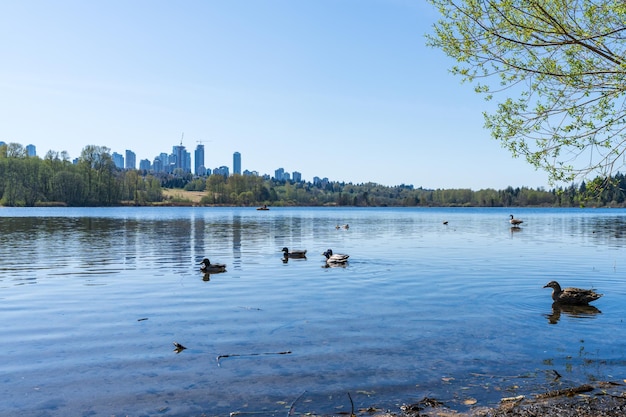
(95, 181)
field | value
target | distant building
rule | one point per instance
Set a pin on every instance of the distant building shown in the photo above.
(157, 165)
(237, 163)
(118, 160)
(296, 176)
(319, 182)
(31, 150)
(180, 159)
(198, 159)
(144, 165)
(223, 170)
(278, 174)
(131, 160)
(251, 173)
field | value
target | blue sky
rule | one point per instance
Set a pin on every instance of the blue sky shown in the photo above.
(344, 89)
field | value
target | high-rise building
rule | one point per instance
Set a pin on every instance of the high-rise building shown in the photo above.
(157, 164)
(31, 150)
(198, 159)
(144, 165)
(223, 170)
(118, 160)
(296, 176)
(278, 174)
(237, 163)
(131, 159)
(181, 158)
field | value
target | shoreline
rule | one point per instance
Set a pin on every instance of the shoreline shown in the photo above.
(600, 399)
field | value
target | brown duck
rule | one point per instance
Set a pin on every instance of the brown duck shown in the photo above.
(572, 296)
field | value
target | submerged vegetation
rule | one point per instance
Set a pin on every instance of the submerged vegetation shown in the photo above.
(94, 180)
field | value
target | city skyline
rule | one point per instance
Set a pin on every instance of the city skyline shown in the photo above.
(349, 88)
(179, 153)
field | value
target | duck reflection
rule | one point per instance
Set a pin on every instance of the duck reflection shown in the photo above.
(516, 229)
(577, 311)
(335, 265)
(206, 277)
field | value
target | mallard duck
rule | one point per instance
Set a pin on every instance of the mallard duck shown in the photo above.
(515, 222)
(178, 347)
(335, 258)
(571, 296)
(207, 266)
(294, 254)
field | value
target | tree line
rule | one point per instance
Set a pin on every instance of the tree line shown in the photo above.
(95, 181)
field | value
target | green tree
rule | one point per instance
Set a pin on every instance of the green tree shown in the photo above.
(560, 67)
(69, 187)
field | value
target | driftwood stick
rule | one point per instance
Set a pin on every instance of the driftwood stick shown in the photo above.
(230, 355)
(352, 405)
(293, 404)
(567, 391)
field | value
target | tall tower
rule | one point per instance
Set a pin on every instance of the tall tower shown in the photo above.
(198, 160)
(31, 150)
(131, 159)
(181, 158)
(237, 163)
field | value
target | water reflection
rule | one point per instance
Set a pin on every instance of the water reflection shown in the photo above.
(412, 280)
(286, 259)
(585, 311)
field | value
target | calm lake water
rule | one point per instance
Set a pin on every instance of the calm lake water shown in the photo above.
(91, 301)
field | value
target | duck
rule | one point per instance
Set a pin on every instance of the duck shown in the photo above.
(207, 266)
(571, 296)
(344, 226)
(515, 222)
(294, 253)
(335, 258)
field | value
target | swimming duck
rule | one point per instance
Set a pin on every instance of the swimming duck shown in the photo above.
(207, 266)
(294, 254)
(572, 296)
(345, 226)
(335, 258)
(515, 222)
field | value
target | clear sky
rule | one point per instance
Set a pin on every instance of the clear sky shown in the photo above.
(344, 89)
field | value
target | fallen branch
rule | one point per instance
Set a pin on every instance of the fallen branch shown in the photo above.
(567, 391)
(352, 406)
(293, 404)
(250, 354)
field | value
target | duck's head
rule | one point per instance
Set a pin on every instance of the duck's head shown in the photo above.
(206, 262)
(328, 253)
(286, 250)
(554, 285)
(511, 216)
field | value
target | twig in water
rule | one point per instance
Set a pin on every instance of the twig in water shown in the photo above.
(293, 404)
(352, 405)
(250, 354)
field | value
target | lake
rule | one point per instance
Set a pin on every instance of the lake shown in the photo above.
(92, 300)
